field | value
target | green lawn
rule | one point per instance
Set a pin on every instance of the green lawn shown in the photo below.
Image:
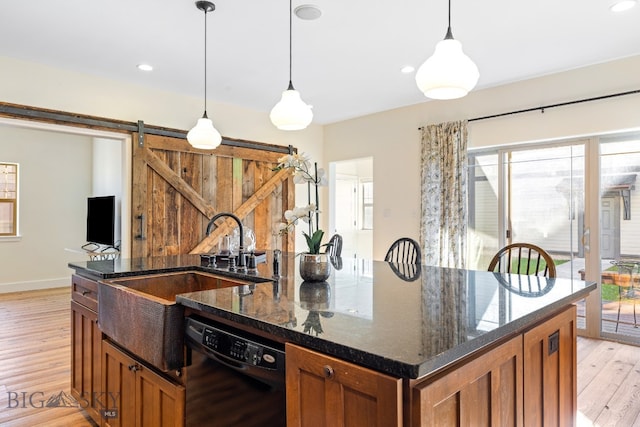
(609, 292)
(522, 269)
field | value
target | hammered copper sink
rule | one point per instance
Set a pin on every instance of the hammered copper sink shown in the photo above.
(140, 312)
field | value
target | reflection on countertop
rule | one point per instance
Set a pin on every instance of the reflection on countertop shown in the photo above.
(405, 320)
(369, 314)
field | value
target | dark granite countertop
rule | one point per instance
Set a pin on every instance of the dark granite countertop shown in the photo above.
(390, 318)
(110, 269)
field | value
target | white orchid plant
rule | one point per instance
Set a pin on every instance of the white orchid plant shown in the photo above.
(302, 173)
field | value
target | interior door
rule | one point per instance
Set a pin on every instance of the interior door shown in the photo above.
(345, 212)
(352, 199)
(177, 189)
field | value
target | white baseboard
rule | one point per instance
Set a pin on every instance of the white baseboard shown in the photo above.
(35, 285)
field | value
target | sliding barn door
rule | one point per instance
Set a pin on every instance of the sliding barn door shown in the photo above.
(177, 189)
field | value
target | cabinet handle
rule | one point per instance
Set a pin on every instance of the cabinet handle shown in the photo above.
(586, 239)
(328, 371)
(85, 292)
(133, 368)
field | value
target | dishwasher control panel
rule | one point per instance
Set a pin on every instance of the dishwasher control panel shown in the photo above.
(234, 345)
(237, 348)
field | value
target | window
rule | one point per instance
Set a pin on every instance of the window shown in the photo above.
(367, 205)
(8, 199)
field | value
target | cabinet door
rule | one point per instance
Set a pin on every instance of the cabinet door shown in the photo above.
(550, 379)
(86, 339)
(160, 402)
(486, 391)
(119, 383)
(325, 391)
(139, 396)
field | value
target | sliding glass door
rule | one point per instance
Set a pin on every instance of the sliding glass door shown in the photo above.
(620, 237)
(531, 195)
(578, 201)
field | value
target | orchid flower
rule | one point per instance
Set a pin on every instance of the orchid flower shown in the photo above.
(303, 174)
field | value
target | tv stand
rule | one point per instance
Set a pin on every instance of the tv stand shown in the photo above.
(99, 253)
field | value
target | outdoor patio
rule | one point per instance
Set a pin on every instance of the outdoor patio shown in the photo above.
(611, 280)
(626, 325)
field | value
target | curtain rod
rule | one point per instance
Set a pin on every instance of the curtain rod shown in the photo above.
(545, 107)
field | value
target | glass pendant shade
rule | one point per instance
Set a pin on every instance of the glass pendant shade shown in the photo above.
(203, 135)
(291, 113)
(448, 73)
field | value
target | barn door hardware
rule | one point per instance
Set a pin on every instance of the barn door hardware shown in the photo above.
(140, 133)
(140, 236)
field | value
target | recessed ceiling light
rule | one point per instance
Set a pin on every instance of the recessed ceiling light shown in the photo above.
(308, 12)
(407, 69)
(623, 5)
(145, 67)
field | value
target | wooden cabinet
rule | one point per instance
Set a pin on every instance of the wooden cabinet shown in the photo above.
(486, 391)
(550, 376)
(86, 342)
(138, 396)
(325, 391)
(529, 380)
(110, 385)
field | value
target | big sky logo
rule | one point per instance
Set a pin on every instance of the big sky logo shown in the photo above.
(105, 402)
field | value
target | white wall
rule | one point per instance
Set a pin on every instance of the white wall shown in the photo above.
(393, 139)
(54, 181)
(108, 162)
(41, 86)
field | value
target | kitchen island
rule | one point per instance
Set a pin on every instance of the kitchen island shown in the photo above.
(426, 346)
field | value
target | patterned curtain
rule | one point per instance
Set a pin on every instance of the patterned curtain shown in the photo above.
(443, 223)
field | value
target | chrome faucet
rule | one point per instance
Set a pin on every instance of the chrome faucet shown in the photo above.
(241, 265)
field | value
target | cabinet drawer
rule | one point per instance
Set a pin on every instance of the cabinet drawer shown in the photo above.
(85, 292)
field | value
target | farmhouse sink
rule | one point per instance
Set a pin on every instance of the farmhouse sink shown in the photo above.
(140, 312)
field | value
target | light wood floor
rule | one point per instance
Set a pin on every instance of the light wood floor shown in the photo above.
(35, 359)
(608, 384)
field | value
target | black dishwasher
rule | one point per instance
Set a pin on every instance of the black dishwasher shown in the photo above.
(233, 378)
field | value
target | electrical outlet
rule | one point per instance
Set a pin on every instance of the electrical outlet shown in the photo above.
(554, 342)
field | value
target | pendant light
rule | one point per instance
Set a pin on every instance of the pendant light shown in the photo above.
(448, 73)
(203, 134)
(291, 113)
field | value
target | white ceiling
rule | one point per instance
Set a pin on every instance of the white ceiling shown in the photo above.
(346, 64)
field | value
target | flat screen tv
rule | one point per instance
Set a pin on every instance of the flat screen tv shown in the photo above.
(101, 216)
